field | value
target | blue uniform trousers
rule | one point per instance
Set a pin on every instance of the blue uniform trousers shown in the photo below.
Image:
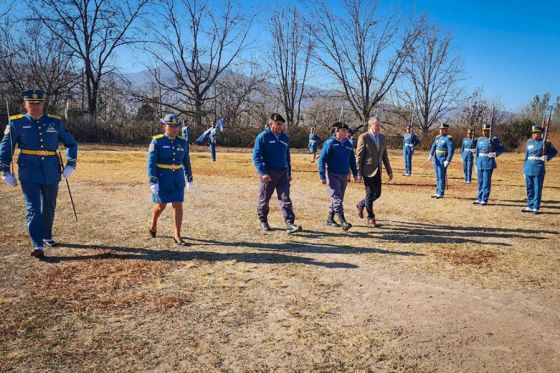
(441, 173)
(40, 202)
(484, 184)
(213, 151)
(534, 186)
(336, 187)
(407, 152)
(280, 180)
(467, 169)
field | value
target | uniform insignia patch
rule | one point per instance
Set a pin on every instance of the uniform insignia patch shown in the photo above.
(152, 147)
(7, 130)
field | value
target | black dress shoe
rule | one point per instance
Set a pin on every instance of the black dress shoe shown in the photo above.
(265, 227)
(152, 233)
(180, 242)
(38, 253)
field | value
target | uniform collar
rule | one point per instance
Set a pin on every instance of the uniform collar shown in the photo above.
(32, 117)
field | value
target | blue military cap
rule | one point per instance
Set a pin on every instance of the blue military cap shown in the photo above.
(33, 95)
(277, 117)
(170, 120)
(536, 129)
(486, 127)
(443, 126)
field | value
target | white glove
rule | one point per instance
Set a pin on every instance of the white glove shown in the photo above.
(9, 179)
(430, 158)
(445, 164)
(544, 158)
(190, 186)
(492, 155)
(68, 170)
(154, 188)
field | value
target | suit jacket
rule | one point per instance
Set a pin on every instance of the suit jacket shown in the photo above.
(369, 157)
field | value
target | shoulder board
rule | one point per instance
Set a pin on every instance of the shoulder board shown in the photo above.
(450, 136)
(438, 136)
(17, 116)
(54, 116)
(157, 136)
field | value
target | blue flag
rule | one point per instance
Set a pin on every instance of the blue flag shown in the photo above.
(204, 136)
(220, 124)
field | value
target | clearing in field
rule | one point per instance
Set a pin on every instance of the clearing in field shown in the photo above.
(442, 285)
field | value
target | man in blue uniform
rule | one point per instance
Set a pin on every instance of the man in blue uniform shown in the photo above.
(486, 152)
(169, 171)
(37, 135)
(410, 141)
(468, 148)
(271, 157)
(534, 168)
(186, 133)
(335, 162)
(313, 142)
(212, 141)
(441, 153)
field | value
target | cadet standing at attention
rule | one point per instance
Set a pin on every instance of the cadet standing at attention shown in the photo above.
(212, 141)
(313, 140)
(486, 152)
(468, 148)
(536, 154)
(186, 133)
(335, 162)
(37, 135)
(271, 157)
(169, 171)
(441, 153)
(410, 140)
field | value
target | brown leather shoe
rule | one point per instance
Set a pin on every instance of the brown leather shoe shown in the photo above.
(360, 211)
(372, 224)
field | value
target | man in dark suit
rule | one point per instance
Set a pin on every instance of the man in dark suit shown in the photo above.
(371, 155)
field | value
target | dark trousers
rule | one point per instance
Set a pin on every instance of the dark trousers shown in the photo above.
(280, 181)
(373, 192)
(336, 187)
(40, 202)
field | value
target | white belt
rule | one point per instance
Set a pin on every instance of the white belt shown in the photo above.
(534, 158)
(483, 155)
(411, 145)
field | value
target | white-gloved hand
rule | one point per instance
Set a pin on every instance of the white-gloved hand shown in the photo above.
(429, 158)
(544, 158)
(9, 179)
(492, 155)
(154, 188)
(68, 170)
(190, 185)
(445, 163)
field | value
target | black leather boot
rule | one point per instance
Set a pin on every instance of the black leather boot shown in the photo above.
(343, 223)
(331, 221)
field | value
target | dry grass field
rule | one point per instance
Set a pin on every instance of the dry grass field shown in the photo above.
(443, 285)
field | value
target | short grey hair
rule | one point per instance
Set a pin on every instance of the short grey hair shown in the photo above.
(372, 120)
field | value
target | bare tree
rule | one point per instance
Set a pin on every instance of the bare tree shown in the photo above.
(364, 51)
(290, 55)
(93, 30)
(238, 92)
(535, 110)
(433, 74)
(475, 109)
(195, 45)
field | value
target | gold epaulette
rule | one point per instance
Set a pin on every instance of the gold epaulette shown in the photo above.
(54, 116)
(450, 136)
(157, 136)
(17, 116)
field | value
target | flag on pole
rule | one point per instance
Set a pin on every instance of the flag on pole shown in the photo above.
(220, 124)
(205, 135)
